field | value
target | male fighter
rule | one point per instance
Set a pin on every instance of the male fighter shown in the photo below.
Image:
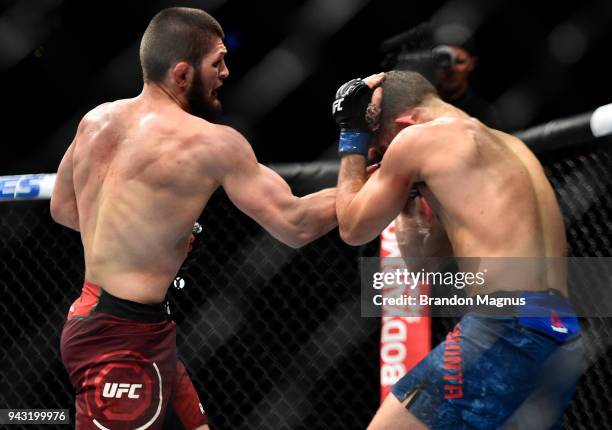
(490, 198)
(134, 180)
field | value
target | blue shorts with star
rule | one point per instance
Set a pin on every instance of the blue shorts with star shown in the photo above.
(495, 372)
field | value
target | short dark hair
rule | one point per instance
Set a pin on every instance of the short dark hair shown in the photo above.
(176, 34)
(402, 90)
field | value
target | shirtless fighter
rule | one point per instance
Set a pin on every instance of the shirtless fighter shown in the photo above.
(490, 198)
(134, 180)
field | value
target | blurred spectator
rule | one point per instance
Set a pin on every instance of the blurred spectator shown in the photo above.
(446, 55)
(453, 84)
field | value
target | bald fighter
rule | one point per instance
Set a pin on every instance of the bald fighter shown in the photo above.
(134, 180)
(481, 193)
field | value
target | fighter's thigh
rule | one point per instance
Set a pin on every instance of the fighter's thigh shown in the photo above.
(393, 415)
(185, 401)
(121, 389)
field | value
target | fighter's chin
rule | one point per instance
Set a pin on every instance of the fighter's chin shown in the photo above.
(213, 103)
(210, 111)
(216, 105)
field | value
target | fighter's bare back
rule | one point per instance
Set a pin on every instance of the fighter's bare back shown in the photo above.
(490, 198)
(143, 170)
(140, 174)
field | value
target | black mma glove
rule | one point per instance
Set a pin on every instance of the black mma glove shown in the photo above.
(349, 111)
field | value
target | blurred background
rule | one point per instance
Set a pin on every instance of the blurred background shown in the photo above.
(60, 58)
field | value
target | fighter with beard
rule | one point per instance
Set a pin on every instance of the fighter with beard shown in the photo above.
(134, 180)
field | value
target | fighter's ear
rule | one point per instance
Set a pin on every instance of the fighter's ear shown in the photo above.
(405, 120)
(181, 74)
(377, 96)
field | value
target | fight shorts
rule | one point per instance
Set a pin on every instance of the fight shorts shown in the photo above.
(122, 362)
(517, 371)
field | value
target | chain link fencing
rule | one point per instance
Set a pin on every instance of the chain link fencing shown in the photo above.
(271, 336)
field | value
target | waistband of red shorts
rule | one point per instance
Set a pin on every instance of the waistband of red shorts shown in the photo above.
(94, 299)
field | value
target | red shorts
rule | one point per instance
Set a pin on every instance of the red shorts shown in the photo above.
(122, 362)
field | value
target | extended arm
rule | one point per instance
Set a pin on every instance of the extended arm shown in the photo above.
(63, 200)
(263, 195)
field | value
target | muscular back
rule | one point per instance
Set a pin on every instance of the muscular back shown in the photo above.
(489, 194)
(138, 174)
(140, 183)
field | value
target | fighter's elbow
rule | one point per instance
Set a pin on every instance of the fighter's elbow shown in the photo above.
(300, 239)
(351, 236)
(304, 228)
(349, 230)
(295, 243)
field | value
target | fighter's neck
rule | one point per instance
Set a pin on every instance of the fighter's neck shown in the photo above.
(435, 108)
(158, 93)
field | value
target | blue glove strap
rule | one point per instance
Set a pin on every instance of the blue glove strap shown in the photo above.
(354, 142)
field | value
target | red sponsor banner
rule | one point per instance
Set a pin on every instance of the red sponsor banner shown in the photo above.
(404, 340)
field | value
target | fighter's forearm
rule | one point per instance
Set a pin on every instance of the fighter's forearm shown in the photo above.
(318, 215)
(351, 178)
